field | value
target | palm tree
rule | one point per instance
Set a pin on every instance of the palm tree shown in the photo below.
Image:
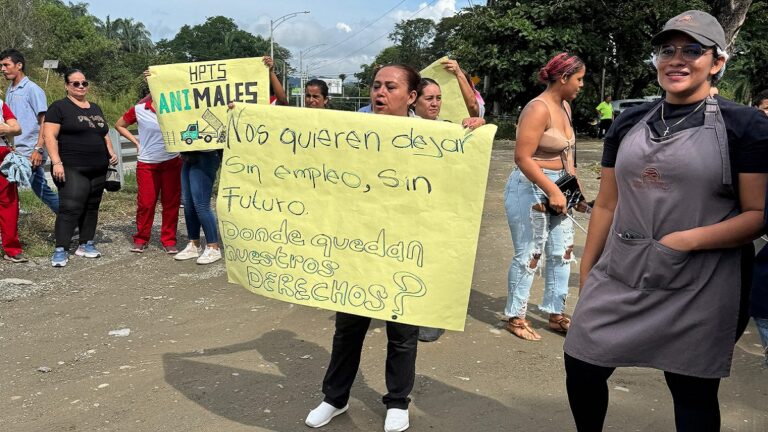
(134, 36)
(342, 77)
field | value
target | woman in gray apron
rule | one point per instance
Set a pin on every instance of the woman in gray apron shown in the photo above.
(680, 193)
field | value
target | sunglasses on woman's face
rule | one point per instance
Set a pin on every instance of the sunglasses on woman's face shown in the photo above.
(690, 52)
(78, 84)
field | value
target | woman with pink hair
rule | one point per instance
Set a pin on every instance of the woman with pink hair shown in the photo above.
(543, 153)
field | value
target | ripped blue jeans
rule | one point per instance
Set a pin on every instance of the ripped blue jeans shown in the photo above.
(536, 235)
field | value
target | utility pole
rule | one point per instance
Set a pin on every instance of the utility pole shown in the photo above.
(304, 71)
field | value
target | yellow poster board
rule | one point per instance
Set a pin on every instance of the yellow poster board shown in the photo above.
(191, 99)
(373, 215)
(454, 109)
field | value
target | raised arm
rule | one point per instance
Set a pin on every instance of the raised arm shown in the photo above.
(467, 93)
(275, 83)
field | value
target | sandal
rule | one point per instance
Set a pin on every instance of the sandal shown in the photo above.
(522, 329)
(559, 323)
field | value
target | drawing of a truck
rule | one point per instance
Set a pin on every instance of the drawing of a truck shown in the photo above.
(216, 130)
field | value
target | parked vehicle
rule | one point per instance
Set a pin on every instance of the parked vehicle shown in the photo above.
(621, 105)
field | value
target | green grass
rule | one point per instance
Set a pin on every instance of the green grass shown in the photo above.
(36, 227)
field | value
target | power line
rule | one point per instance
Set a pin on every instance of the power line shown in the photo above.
(357, 32)
(326, 63)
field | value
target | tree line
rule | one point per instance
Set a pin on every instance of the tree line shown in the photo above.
(113, 52)
(504, 43)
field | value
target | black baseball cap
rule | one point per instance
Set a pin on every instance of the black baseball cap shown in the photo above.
(699, 25)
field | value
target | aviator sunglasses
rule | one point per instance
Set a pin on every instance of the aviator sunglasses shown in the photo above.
(78, 84)
(690, 52)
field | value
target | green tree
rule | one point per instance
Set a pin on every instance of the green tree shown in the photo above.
(413, 39)
(747, 71)
(388, 55)
(72, 37)
(18, 18)
(510, 40)
(216, 39)
(132, 36)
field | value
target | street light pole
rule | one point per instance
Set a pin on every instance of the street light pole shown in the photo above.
(304, 72)
(273, 25)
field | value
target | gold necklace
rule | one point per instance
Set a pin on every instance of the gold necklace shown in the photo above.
(666, 131)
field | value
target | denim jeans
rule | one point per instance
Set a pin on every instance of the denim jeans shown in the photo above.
(43, 191)
(762, 330)
(198, 174)
(535, 233)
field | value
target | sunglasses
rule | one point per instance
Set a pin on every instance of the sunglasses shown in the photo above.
(78, 84)
(690, 52)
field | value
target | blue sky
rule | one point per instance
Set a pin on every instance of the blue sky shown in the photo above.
(352, 32)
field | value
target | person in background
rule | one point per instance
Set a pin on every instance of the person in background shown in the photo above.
(761, 101)
(77, 139)
(759, 298)
(27, 101)
(667, 261)
(544, 153)
(472, 98)
(605, 114)
(9, 192)
(392, 93)
(158, 176)
(316, 94)
(429, 100)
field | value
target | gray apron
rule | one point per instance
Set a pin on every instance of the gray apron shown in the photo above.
(643, 303)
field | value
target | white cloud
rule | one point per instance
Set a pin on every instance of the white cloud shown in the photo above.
(343, 27)
(347, 44)
(441, 9)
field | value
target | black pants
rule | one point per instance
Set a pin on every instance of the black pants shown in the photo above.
(402, 340)
(79, 200)
(695, 399)
(605, 124)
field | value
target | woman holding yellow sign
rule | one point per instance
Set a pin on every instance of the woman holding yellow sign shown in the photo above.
(392, 92)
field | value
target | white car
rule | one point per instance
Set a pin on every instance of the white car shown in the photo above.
(622, 104)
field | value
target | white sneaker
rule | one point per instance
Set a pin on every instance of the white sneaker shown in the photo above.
(210, 255)
(189, 252)
(397, 420)
(323, 414)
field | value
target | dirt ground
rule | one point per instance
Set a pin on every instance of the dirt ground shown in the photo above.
(203, 355)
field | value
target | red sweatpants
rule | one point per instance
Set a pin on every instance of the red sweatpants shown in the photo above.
(161, 180)
(9, 216)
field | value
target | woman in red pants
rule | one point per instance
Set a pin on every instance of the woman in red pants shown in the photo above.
(158, 174)
(9, 194)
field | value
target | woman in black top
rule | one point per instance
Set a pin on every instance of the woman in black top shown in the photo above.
(76, 136)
